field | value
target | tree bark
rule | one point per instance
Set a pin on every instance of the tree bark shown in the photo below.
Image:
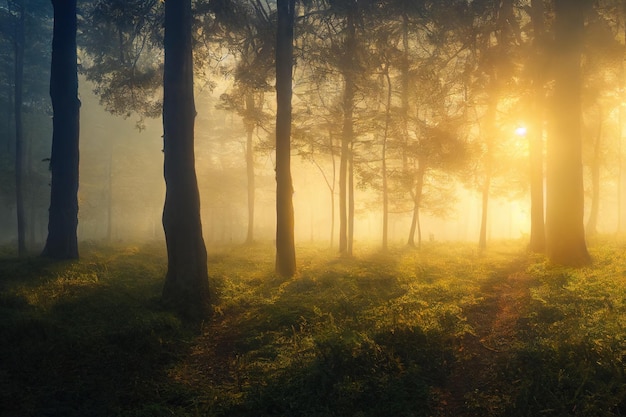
(285, 245)
(565, 234)
(250, 169)
(19, 131)
(186, 287)
(62, 242)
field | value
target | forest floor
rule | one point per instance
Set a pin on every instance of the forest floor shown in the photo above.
(442, 331)
(496, 322)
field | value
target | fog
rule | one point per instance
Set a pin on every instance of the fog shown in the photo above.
(122, 188)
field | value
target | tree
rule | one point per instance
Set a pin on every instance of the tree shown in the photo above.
(186, 286)
(565, 235)
(600, 100)
(348, 68)
(18, 43)
(123, 55)
(285, 247)
(245, 30)
(535, 133)
(62, 242)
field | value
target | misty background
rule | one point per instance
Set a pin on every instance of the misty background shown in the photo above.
(122, 189)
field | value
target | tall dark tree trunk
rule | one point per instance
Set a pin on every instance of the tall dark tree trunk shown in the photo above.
(186, 287)
(10, 148)
(62, 242)
(565, 234)
(250, 168)
(19, 131)
(285, 245)
(535, 135)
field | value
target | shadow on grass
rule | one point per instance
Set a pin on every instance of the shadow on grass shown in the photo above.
(351, 374)
(82, 339)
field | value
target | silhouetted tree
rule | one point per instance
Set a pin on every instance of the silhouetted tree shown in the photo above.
(186, 286)
(285, 249)
(63, 214)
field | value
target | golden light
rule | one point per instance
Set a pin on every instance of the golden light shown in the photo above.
(521, 131)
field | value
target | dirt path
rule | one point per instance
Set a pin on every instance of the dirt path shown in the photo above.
(471, 390)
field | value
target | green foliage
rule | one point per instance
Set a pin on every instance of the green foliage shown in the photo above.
(436, 332)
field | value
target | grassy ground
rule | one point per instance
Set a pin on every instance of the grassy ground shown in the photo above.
(443, 331)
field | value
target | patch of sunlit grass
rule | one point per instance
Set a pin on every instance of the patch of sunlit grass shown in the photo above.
(576, 338)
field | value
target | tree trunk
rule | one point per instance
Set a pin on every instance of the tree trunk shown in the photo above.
(331, 189)
(347, 134)
(19, 132)
(285, 245)
(186, 287)
(565, 234)
(250, 168)
(404, 93)
(350, 201)
(62, 242)
(417, 199)
(482, 240)
(490, 127)
(620, 157)
(592, 222)
(535, 136)
(109, 231)
(384, 165)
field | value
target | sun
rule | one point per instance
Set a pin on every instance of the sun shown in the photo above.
(521, 131)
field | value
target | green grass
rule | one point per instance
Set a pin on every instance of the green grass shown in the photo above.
(444, 331)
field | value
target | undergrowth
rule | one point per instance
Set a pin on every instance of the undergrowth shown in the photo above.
(443, 331)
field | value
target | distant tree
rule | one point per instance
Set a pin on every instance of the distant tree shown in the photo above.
(600, 72)
(565, 234)
(186, 286)
(492, 82)
(124, 55)
(285, 246)
(243, 30)
(19, 41)
(535, 131)
(62, 240)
